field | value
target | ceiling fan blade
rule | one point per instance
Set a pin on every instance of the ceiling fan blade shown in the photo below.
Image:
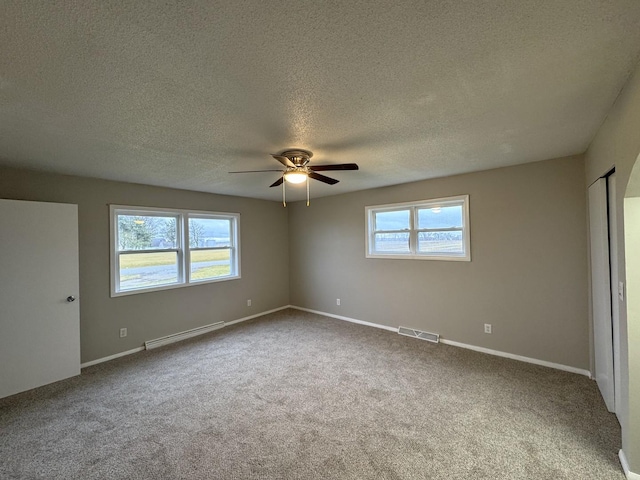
(283, 160)
(322, 178)
(339, 166)
(277, 182)
(256, 171)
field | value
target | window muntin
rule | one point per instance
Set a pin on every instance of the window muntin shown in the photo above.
(154, 249)
(431, 229)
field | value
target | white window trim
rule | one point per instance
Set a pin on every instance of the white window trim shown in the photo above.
(413, 206)
(183, 249)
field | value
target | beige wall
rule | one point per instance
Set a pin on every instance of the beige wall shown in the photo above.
(264, 238)
(527, 276)
(617, 144)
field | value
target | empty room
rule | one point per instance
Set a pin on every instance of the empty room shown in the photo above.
(320, 240)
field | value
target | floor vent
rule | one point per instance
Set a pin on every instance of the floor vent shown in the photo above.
(158, 342)
(410, 332)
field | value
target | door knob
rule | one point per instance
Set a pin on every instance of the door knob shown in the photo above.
(71, 298)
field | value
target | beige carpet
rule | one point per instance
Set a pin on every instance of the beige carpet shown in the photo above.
(298, 396)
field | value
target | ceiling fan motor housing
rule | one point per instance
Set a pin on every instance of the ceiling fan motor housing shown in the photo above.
(298, 157)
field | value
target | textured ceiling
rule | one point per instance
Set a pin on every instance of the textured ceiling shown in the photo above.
(179, 93)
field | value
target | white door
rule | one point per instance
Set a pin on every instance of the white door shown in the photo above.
(615, 306)
(39, 318)
(601, 291)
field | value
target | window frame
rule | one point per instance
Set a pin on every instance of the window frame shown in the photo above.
(234, 258)
(414, 231)
(182, 249)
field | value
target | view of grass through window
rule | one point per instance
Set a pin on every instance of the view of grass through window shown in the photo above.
(143, 241)
(148, 269)
(427, 229)
(210, 263)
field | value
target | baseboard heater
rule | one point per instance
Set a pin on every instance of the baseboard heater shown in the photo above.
(176, 337)
(410, 332)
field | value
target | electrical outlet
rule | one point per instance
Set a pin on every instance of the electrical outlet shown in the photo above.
(487, 328)
(249, 303)
(123, 332)
(337, 301)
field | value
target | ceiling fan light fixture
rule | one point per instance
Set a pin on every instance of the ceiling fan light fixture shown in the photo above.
(297, 172)
(295, 177)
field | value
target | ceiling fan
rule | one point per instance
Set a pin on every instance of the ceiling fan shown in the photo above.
(297, 170)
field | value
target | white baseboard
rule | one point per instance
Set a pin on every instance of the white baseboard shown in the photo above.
(182, 335)
(497, 353)
(346, 319)
(111, 357)
(244, 319)
(520, 358)
(625, 466)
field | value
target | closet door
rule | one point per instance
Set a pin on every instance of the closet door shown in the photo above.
(39, 305)
(601, 291)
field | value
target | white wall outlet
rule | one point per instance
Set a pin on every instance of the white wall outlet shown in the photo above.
(621, 291)
(123, 332)
(487, 328)
(249, 303)
(337, 301)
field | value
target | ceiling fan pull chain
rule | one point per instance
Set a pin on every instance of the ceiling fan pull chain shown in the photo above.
(307, 190)
(284, 196)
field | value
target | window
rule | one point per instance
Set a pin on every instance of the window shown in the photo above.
(154, 249)
(427, 230)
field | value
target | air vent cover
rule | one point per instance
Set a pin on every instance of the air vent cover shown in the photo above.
(410, 332)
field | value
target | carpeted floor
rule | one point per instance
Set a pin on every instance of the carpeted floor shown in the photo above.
(299, 396)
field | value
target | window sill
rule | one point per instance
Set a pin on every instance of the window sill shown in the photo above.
(194, 283)
(448, 258)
